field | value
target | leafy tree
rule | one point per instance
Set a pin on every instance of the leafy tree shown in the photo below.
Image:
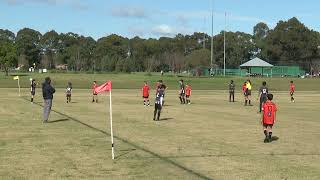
(28, 45)
(8, 56)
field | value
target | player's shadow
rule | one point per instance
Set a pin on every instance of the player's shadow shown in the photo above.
(164, 119)
(275, 138)
(59, 120)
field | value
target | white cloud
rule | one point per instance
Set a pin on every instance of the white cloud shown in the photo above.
(163, 30)
(129, 11)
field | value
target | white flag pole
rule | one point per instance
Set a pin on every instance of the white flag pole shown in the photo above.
(112, 145)
(19, 85)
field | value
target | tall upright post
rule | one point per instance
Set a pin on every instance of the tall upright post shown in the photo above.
(224, 44)
(19, 85)
(211, 63)
(111, 129)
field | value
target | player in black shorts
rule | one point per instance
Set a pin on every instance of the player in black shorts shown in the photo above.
(231, 91)
(263, 93)
(68, 92)
(182, 92)
(33, 85)
(158, 103)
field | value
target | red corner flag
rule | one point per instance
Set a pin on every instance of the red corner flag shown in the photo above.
(104, 87)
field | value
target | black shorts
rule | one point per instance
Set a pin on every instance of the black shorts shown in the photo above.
(68, 95)
(267, 125)
(146, 97)
(182, 94)
(187, 96)
(94, 94)
(157, 106)
(248, 92)
(33, 93)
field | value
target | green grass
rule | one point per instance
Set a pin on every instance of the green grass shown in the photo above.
(211, 138)
(135, 81)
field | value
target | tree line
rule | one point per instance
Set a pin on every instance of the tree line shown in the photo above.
(289, 43)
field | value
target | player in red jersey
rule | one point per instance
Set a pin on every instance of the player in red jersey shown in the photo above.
(244, 91)
(94, 94)
(188, 93)
(145, 94)
(268, 117)
(292, 89)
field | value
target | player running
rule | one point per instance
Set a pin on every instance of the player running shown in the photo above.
(263, 92)
(231, 91)
(292, 89)
(188, 93)
(68, 92)
(94, 94)
(158, 103)
(145, 94)
(182, 92)
(33, 85)
(268, 118)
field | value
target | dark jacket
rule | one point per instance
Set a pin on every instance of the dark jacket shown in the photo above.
(47, 90)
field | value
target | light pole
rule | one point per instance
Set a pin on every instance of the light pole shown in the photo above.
(211, 63)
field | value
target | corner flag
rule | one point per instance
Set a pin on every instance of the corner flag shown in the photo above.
(104, 87)
(107, 86)
(17, 78)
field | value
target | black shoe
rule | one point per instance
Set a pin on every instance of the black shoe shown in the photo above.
(154, 119)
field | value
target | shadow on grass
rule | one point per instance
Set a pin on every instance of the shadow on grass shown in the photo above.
(165, 119)
(59, 120)
(124, 152)
(275, 138)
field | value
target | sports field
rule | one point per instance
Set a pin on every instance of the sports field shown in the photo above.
(209, 139)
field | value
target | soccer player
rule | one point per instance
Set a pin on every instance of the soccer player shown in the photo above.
(268, 117)
(263, 92)
(145, 94)
(188, 93)
(158, 103)
(248, 92)
(244, 91)
(292, 89)
(182, 92)
(94, 94)
(231, 91)
(33, 85)
(68, 92)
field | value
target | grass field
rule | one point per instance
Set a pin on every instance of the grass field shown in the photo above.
(135, 81)
(209, 139)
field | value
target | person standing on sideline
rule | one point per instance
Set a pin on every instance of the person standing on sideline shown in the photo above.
(268, 118)
(182, 92)
(188, 93)
(68, 92)
(33, 85)
(94, 94)
(231, 91)
(263, 92)
(292, 89)
(145, 94)
(47, 93)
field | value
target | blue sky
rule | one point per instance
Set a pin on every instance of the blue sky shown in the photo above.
(151, 18)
